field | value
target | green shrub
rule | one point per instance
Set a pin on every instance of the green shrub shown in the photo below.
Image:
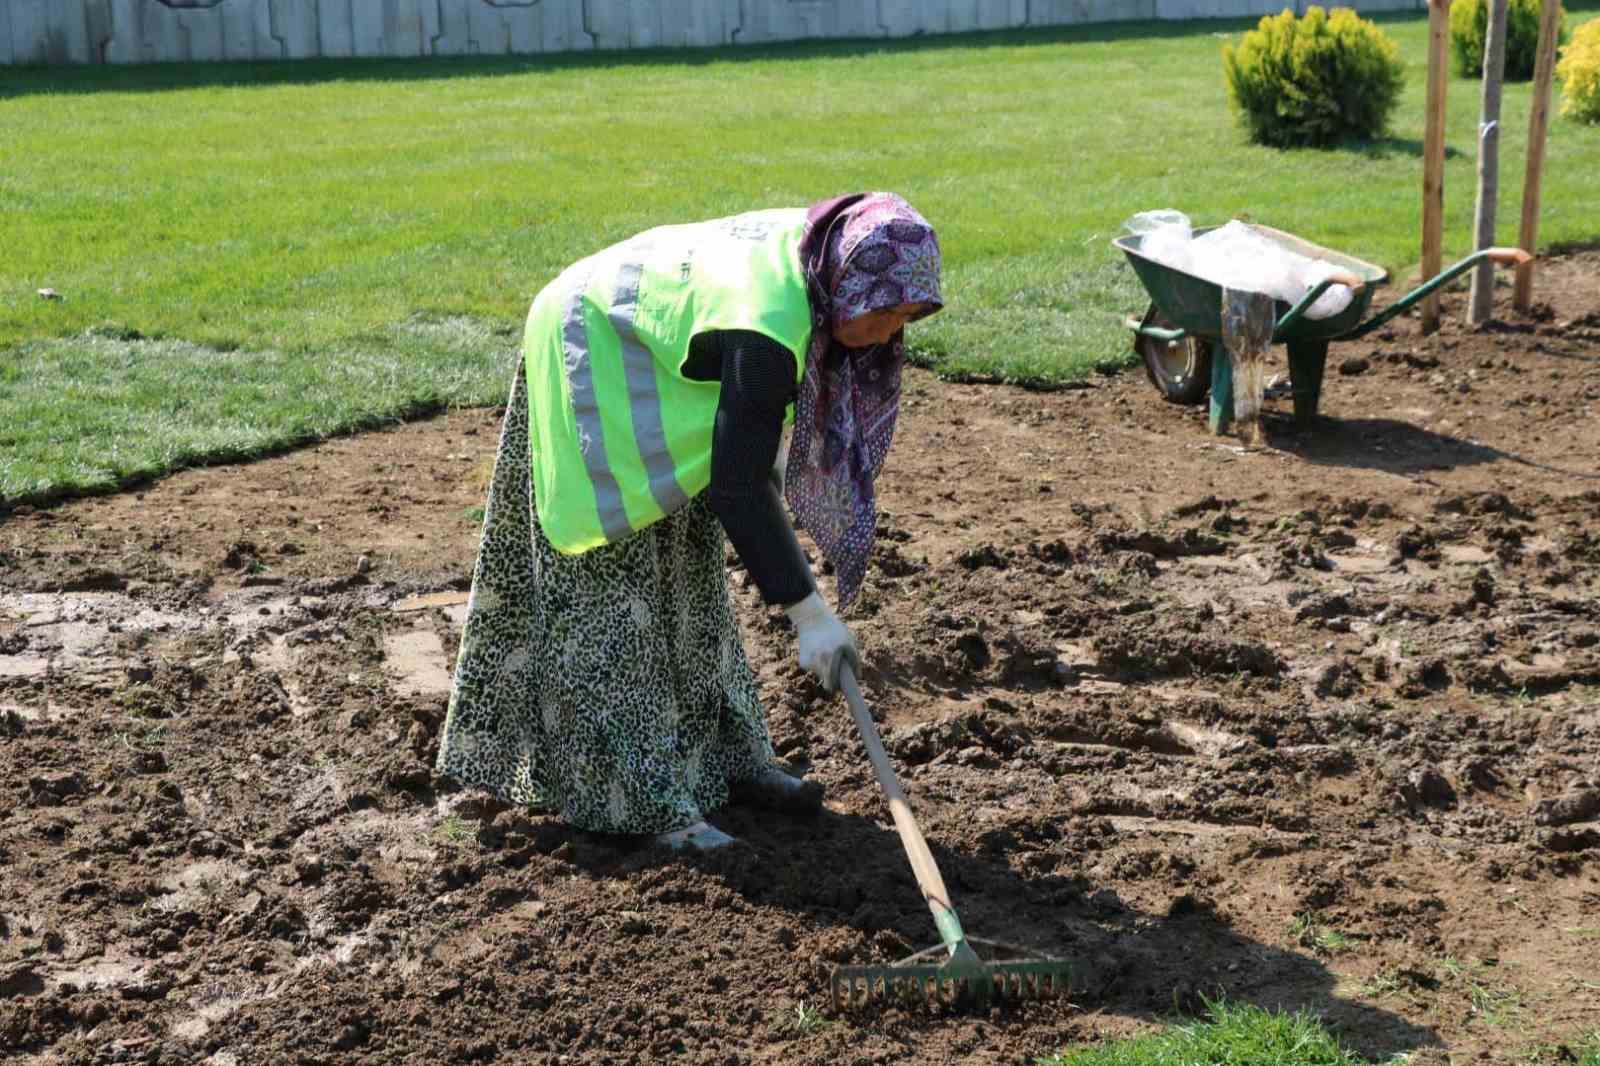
(1314, 81)
(1580, 74)
(1469, 25)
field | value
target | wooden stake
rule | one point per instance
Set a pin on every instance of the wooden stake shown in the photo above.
(1544, 68)
(1433, 156)
(1494, 76)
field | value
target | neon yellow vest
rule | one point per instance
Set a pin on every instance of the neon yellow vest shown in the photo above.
(620, 438)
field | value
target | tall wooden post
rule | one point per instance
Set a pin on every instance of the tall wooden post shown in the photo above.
(1544, 69)
(1433, 156)
(1494, 76)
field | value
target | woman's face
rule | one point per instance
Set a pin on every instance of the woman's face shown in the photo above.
(876, 327)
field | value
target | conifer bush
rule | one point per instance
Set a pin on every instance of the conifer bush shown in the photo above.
(1314, 81)
(1579, 71)
(1469, 26)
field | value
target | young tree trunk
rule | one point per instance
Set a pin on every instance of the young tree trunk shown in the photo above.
(1544, 68)
(1433, 156)
(1494, 75)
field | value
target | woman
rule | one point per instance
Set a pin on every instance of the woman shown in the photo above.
(601, 672)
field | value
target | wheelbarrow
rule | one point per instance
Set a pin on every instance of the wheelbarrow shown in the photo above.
(1181, 332)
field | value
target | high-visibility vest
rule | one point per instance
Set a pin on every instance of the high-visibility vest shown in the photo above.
(619, 437)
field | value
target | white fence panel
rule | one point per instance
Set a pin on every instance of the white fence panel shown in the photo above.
(149, 31)
(1068, 12)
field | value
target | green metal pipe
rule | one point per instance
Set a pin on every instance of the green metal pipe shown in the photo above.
(1171, 336)
(1411, 299)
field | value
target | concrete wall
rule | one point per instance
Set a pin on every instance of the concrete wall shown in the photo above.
(162, 31)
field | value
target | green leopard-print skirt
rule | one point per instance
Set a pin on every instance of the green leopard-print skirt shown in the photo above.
(611, 686)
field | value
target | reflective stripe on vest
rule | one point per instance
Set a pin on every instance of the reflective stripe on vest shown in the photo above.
(644, 399)
(586, 409)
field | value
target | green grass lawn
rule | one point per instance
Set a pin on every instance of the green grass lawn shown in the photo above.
(1241, 1034)
(253, 255)
(1232, 1034)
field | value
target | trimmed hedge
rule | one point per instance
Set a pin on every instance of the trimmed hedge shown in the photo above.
(1579, 70)
(1469, 26)
(1315, 81)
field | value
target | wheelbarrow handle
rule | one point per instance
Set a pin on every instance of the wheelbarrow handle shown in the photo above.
(1508, 257)
(1503, 256)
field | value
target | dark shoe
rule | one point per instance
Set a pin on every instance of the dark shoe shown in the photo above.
(778, 791)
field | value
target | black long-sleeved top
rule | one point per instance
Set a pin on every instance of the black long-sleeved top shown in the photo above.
(758, 384)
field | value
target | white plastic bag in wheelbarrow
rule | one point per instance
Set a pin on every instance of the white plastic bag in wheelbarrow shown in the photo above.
(1235, 256)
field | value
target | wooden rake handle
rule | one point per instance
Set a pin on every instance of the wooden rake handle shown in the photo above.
(922, 864)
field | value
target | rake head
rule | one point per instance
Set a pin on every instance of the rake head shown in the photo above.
(938, 975)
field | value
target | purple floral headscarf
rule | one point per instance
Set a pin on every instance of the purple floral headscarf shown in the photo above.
(861, 253)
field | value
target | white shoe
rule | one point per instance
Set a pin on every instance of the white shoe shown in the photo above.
(700, 836)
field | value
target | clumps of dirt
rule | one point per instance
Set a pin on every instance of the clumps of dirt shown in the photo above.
(1204, 505)
(1426, 787)
(1340, 679)
(1299, 553)
(1577, 806)
(1333, 609)
(1480, 504)
(1581, 546)
(243, 555)
(888, 560)
(1052, 557)
(1163, 867)
(969, 738)
(1144, 651)
(1423, 677)
(1416, 542)
(1349, 511)
(1159, 545)
(951, 650)
(1481, 593)
(985, 555)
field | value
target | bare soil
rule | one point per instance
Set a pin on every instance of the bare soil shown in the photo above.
(1312, 726)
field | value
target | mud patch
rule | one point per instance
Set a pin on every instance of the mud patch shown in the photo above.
(1295, 726)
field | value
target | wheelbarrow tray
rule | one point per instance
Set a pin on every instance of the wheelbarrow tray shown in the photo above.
(1194, 304)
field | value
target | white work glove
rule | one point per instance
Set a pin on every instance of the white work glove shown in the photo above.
(825, 642)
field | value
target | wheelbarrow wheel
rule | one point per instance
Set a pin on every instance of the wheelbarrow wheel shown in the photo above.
(1180, 370)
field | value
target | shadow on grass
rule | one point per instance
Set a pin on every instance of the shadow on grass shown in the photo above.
(1389, 147)
(158, 77)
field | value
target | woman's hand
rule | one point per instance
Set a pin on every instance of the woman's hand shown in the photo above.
(825, 641)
